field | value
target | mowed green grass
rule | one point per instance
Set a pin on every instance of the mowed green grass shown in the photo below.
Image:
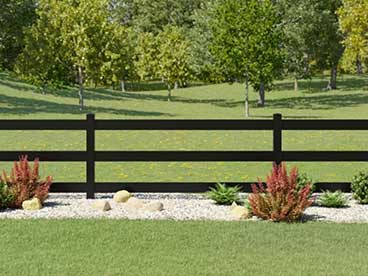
(119, 247)
(222, 101)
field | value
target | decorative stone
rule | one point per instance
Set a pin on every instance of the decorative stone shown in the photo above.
(155, 206)
(122, 196)
(233, 205)
(240, 212)
(255, 218)
(32, 204)
(135, 203)
(102, 205)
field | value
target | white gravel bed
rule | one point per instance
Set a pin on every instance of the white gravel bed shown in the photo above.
(176, 207)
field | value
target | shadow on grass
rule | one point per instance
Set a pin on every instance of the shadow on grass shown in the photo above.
(17, 105)
(346, 83)
(320, 102)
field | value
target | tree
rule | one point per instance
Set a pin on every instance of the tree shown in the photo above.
(83, 25)
(354, 24)
(247, 43)
(153, 16)
(119, 52)
(71, 32)
(295, 27)
(324, 36)
(173, 57)
(44, 59)
(15, 15)
(146, 53)
(200, 35)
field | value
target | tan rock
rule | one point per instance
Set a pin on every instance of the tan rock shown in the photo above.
(155, 206)
(122, 196)
(233, 205)
(135, 203)
(32, 204)
(102, 205)
(240, 212)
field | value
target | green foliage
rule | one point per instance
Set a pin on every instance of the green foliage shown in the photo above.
(154, 16)
(246, 41)
(224, 195)
(173, 57)
(118, 54)
(359, 187)
(146, 53)
(14, 16)
(354, 23)
(5, 196)
(332, 199)
(200, 35)
(303, 180)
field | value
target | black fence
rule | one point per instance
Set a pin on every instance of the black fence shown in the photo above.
(90, 155)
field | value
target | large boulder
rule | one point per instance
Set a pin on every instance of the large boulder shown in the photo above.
(135, 203)
(122, 196)
(154, 206)
(101, 205)
(32, 204)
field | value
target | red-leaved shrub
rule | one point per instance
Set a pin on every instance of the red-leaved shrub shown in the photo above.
(280, 200)
(24, 182)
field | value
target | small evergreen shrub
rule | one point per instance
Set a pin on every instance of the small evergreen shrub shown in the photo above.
(280, 200)
(332, 199)
(359, 187)
(224, 195)
(303, 180)
(5, 196)
(24, 182)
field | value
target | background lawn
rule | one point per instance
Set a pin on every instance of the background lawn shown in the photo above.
(20, 100)
(113, 247)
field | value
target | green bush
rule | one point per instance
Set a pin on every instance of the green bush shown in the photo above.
(359, 187)
(224, 195)
(303, 180)
(332, 199)
(5, 196)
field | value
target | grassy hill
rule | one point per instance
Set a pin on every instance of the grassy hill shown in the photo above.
(21, 100)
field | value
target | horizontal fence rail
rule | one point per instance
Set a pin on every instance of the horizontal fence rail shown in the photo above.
(90, 155)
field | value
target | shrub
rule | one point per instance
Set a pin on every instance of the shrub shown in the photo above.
(24, 182)
(280, 200)
(5, 196)
(303, 180)
(224, 195)
(332, 199)
(359, 187)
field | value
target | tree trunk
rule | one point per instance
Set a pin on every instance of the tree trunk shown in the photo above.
(332, 84)
(81, 87)
(122, 85)
(296, 84)
(169, 93)
(261, 100)
(359, 66)
(246, 103)
(176, 85)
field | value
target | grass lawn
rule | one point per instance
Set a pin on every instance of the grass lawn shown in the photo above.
(20, 100)
(113, 247)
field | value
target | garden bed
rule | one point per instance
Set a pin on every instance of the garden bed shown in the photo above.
(176, 207)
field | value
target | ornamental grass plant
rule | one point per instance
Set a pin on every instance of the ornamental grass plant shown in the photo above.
(280, 199)
(24, 182)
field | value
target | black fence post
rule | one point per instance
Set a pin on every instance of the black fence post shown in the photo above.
(90, 156)
(277, 138)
